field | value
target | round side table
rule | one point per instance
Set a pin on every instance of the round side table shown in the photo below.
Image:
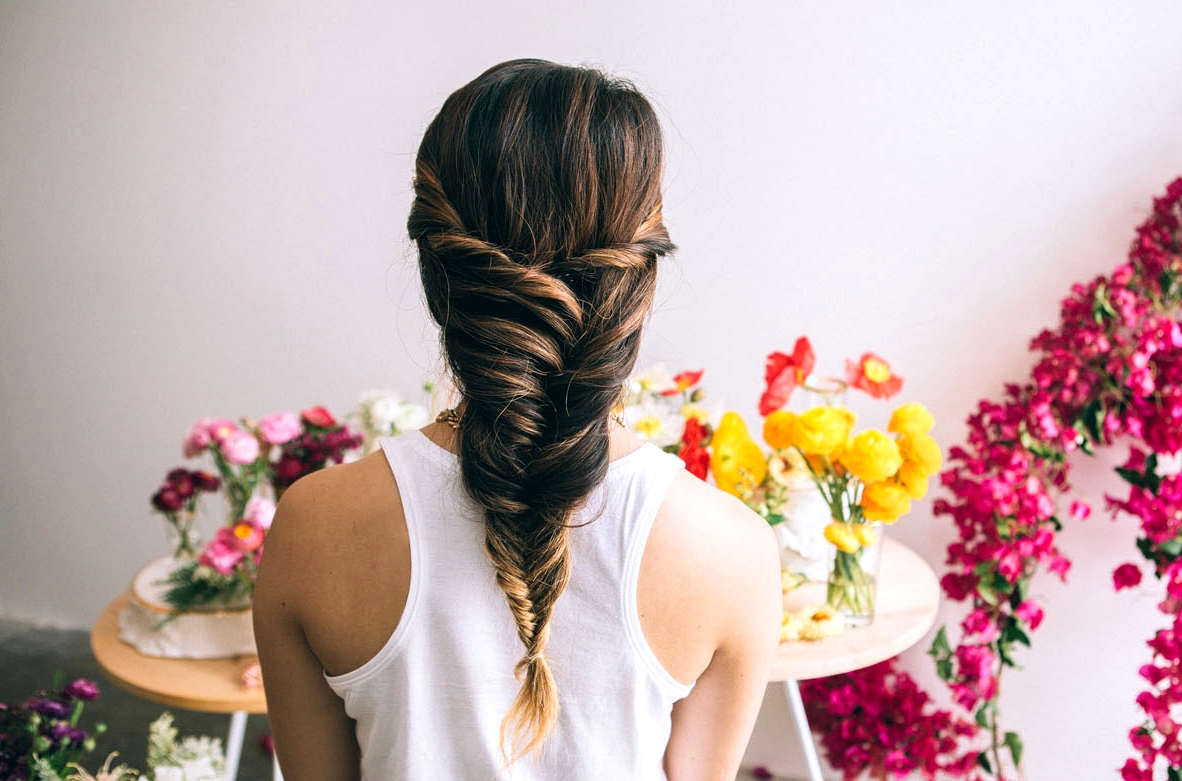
(209, 685)
(908, 600)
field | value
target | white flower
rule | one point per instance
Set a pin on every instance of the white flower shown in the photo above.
(652, 421)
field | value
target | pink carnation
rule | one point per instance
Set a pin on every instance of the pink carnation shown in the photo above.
(279, 428)
(240, 447)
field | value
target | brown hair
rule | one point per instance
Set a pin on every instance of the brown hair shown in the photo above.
(537, 216)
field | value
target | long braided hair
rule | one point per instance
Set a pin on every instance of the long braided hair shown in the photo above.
(537, 216)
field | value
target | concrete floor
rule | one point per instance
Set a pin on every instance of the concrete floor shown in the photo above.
(29, 657)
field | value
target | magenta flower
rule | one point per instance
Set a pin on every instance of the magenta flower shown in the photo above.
(239, 447)
(222, 554)
(1126, 576)
(1030, 612)
(279, 428)
(81, 689)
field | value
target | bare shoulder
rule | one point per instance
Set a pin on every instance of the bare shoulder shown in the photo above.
(709, 579)
(713, 527)
(339, 536)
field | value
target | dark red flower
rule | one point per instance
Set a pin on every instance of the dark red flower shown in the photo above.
(181, 481)
(204, 481)
(167, 500)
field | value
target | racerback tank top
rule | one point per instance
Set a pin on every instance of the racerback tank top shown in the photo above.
(429, 704)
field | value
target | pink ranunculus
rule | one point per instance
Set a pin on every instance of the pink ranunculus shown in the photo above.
(260, 511)
(198, 438)
(280, 428)
(1126, 576)
(240, 447)
(221, 553)
(1029, 612)
(81, 689)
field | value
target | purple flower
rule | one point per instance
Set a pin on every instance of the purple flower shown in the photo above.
(81, 689)
(73, 736)
(47, 707)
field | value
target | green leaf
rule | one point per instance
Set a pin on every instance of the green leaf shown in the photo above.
(1171, 548)
(944, 669)
(982, 717)
(1014, 743)
(986, 592)
(940, 647)
(1173, 774)
(774, 518)
(983, 761)
(1092, 418)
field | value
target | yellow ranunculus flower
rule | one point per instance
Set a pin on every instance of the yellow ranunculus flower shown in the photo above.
(921, 450)
(820, 622)
(790, 627)
(696, 412)
(841, 534)
(885, 502)
(737, 462)
(864, 532)
(871, 456)
(911, 477)
(912, 418)
(820, 430)
(777, 428)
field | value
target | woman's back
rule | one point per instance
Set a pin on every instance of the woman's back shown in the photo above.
(422, 659)
(538, 223)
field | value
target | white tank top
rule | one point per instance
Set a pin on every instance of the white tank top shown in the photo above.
(429, 705)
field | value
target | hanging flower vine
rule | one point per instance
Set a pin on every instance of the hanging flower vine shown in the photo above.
(1112, 369)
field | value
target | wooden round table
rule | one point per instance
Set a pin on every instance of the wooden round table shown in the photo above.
(908, 599)
(209, 685)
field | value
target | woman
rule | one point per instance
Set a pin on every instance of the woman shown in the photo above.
(523, 589)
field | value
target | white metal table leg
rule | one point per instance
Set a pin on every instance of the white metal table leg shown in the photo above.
(802, 730)
(278, 774)
(234, 744)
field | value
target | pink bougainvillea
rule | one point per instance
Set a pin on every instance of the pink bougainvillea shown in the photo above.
(1111, 369)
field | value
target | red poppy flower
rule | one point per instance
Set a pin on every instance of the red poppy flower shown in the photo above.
(683, 382)
(784, 372)
(319, 417)
(873, 375)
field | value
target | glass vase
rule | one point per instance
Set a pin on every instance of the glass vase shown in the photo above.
(853, 580)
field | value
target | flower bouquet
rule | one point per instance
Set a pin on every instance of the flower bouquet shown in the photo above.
(865, 478)
(666, 411)
(383, 413)
(275, 451)
(41, 737)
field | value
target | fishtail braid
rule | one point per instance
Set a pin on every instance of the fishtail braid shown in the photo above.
(538, 223)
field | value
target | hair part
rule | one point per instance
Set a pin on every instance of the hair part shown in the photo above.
(537, 216)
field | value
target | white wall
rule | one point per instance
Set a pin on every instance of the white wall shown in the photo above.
(202, 209)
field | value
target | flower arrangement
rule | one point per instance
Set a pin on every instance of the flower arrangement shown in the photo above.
(190, 759)
(666, 410)
(384, 413)
(865, 478)
(248, 456)
(42, 736)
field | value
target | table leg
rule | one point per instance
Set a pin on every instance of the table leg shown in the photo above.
(278, 774)
(802, 730)
(234, 744)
